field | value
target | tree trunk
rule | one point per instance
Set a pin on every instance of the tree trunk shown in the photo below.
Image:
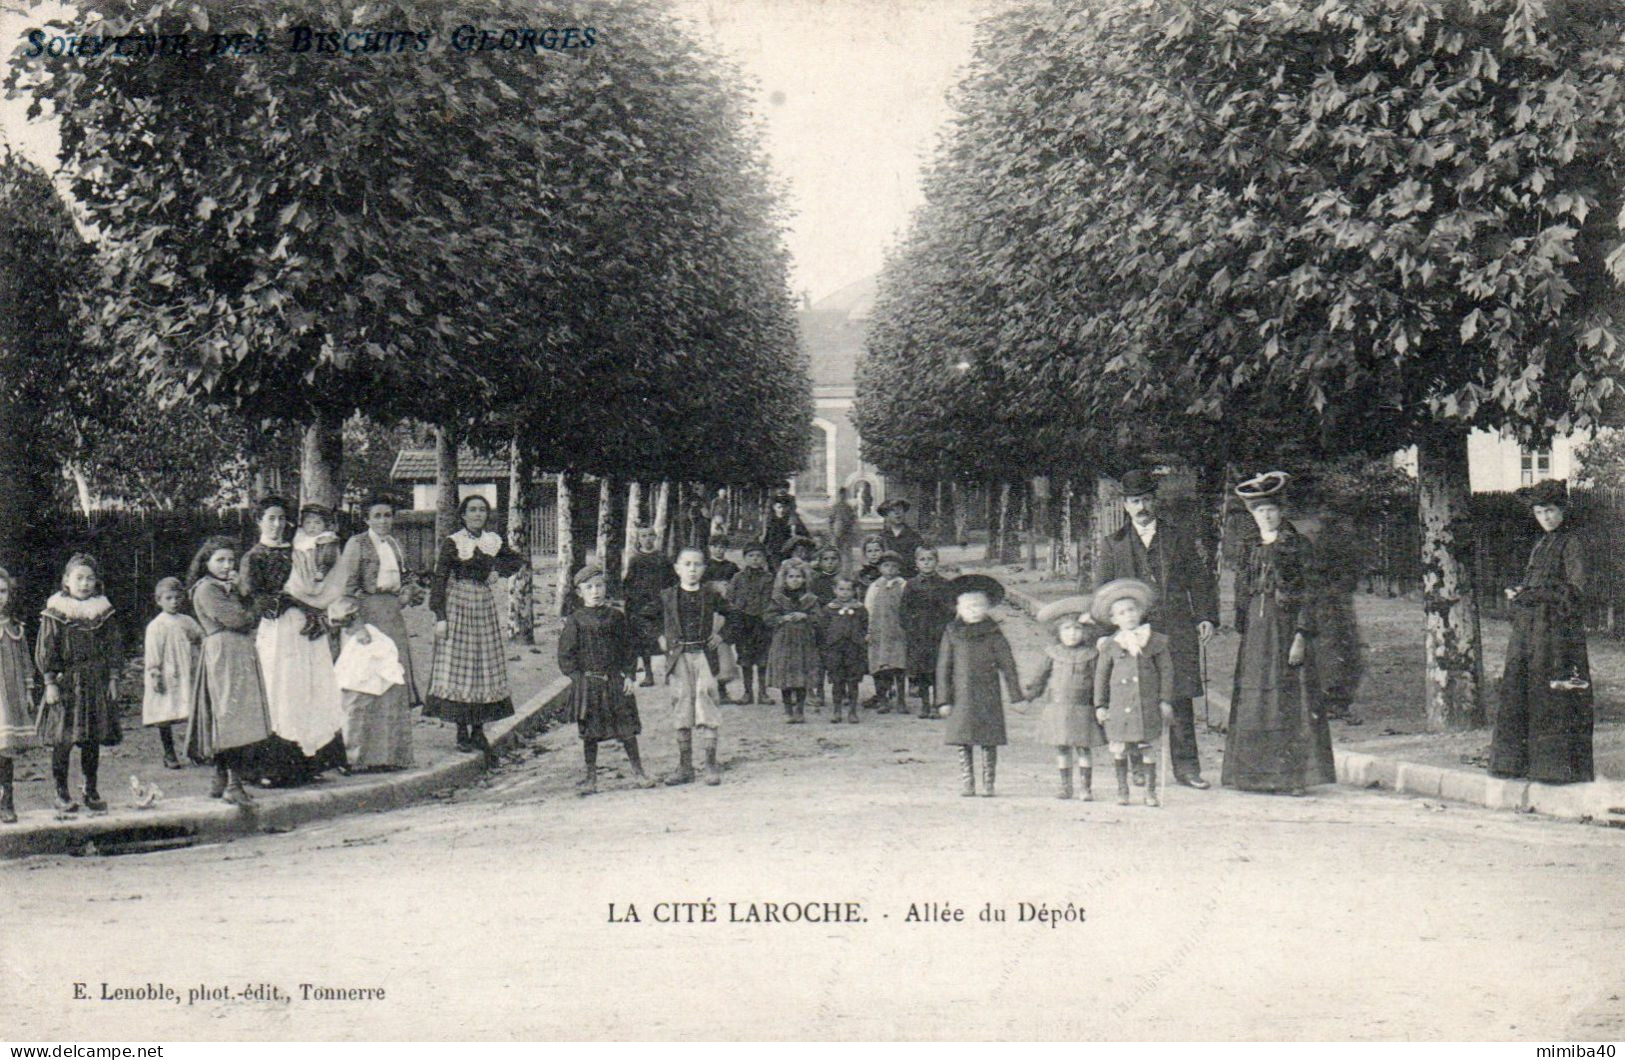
(662, 514)
(606, 521)
(81, 487)
(566, 544)
(1454, 645)
(1002, 551)
(634, 516)
(1065, 555)
(521, 587)
(990, 503)
(445, 483)
(1030, 504)
(961, 505)
(1097, 531)
(321, 464)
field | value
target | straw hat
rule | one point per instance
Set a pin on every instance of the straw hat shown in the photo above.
(1121, 589)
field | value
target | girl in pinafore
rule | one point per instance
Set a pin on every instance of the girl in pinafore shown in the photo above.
(469, 686)
(17, 680)
(171, 661)
(1134, 681)
(231, 717)
(792, 661)
(598, 653)
(1068, 722)
(888, 642)
(973, 655)
(79, 654)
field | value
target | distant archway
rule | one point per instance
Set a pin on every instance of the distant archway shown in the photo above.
(817, 475)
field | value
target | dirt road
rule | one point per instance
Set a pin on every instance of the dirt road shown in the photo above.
(1347, 915)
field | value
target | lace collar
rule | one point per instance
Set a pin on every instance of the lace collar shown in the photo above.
(65, 608)
(1133, 640)
(489, 543)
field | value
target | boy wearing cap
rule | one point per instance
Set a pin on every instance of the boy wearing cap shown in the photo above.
(689, 611)
(647, 576)
(597, 654)
(749, 594)
(973, 655)
(927, 610)
(1134, 678)
(888, 642)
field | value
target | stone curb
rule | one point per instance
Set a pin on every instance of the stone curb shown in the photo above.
(205, 818)
(1600, 802)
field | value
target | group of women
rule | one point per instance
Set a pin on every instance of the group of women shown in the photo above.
(279, 710)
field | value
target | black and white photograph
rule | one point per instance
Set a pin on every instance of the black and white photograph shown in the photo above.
(909, 521)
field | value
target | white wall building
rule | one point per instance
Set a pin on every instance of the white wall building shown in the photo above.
(1499, 463)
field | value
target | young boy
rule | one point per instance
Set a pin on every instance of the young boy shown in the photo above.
(597, 655)
(843, 635)
(888, 645)
(719, 572)
(973, 656)
(689, 642)
(927, 610)
(826, 570)
(749, 593)
(1134, 681)
(647, 576)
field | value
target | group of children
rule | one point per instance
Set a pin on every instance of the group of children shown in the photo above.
(803, 627)
(205, 674)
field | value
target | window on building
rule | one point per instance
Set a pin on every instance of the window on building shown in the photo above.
(1534, 465)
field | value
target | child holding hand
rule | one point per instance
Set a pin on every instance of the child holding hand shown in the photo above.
(973, 655)
(1068, 721)
(1134, 681)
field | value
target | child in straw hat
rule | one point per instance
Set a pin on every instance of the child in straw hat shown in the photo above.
(1068, 720)
(1134, 681)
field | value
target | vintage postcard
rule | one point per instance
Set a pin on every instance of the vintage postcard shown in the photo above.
(811, 520)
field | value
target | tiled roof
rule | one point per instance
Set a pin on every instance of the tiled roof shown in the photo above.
(832, 331)
(418, 465)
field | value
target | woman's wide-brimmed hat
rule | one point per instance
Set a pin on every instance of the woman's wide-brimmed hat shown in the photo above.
(1553, 492)
(1074, 608)
(896, 505)
(1121, 589)
(975, 583)
(1263, 489)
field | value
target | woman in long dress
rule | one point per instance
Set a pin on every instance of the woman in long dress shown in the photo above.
(469, 683)
(1543, 726)
(1278, 739)
(381, 585)
(296, 656)
(229, 716)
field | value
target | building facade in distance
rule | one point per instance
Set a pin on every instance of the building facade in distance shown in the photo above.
(832, 332)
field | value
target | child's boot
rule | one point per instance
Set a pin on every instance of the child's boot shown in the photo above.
(8, 809)
(59, 774)
(748, 696)
(967, 771)
(166, 736)
(713, 768)
(789, 707)
(685, 759)
(235, 793)
(589, 780)
(1086, 784)
(648, 672)
(926, 713)
(1151, 784)
(462, 741)
(852, 709)
(89, 765)
(763, 696)
(639, 777)
(1121, 766)
(217, 786)
(1065, 790)
(882, 695)
(990, 766)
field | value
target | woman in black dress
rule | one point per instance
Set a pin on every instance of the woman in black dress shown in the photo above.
(597, 654)
(1278, 739)
(1543, 725)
